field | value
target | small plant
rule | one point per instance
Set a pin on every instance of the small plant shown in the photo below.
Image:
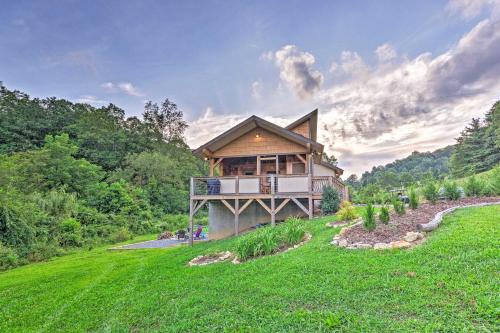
(8, 258)
(384, 215)
(399, 207)
(70, 232)
(121, 235)
(413, 198)
(369, 218)
(451, 191)
(347, 212)
(474, 187)
(330, 200)
(294, 231)
(431, 192)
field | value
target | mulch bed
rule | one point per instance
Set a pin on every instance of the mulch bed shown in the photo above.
(399, 225)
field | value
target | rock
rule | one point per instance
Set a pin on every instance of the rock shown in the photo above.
(362, 246)
(381, 246)
(401, 244)
(343, 243)
(412, 236)
(334, 242)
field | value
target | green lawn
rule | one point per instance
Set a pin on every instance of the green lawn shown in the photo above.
(449, 284)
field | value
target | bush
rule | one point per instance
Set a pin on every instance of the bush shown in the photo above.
(121, 235)
(369, 218)
(70, 232)
(384, 215)
(474, 187)
(451, 190)
(294, 231)
(268, 240)
(8, 258)
(399, 207)
(43, 251)
(413, 198)
(347, 212)
(330, 200)
(494, 181)
(431, 192)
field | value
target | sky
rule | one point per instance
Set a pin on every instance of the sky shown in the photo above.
(388, 77)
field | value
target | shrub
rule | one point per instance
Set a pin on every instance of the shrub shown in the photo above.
(8, 258)
(330, 200)
(347, 212)
(70, 232)
(399, 207)
(369, 218)
(43, 251)
(494, 181)
(431, 192)
(121, 235)
(294, 231)
(474, 187)
(451, 190)
(413, 198)
(384, 215)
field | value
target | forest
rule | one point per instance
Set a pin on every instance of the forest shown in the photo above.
(73, 175)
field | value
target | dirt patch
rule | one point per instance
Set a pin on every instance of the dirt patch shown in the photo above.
(399, 226)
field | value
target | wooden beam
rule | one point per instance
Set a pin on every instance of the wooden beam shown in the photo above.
(245, 205)
(264, 205)
(301, 206)
(218, 161)
(236, 216)
(199, 206)
(301, 158)
(228, 205)
(191, 234)
(258, 165)
(310, 212)
(281, 205)
(273, 212)
(212, 167)
(277, 165)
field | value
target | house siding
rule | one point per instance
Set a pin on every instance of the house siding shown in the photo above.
(302, 129)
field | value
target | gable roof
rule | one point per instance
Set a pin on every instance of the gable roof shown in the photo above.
(248, 125)
(313, 124)
(338, 171)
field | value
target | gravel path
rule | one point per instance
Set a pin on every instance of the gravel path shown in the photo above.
(152, 244)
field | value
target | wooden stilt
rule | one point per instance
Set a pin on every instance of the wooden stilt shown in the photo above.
(311, 207)
(273, 212)
(236, 216)
(191, 226)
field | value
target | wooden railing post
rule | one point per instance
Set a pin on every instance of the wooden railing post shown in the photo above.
(191, 186)
(273, 190)
(237, 185)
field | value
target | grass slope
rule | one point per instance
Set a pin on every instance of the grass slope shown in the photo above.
(450, 283)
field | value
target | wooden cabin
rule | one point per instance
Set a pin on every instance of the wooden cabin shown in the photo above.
(261, 172)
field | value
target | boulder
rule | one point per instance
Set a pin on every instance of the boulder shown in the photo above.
(361, 246)
(401, 244)
(412, 236)
(381, 246)
(343, 243)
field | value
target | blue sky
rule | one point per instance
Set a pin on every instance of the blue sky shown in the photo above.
(220, 62)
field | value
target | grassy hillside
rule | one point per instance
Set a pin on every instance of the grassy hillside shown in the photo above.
(450, 283)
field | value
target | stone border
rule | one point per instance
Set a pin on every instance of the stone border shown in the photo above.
(410, 239)
(346, 223)
(210, 259)
(438, 218)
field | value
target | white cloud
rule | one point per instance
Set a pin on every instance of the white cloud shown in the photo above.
(125, 87)
(92, 100)
(257, 90)
(297, 72)
(267, 56)
(385, 52)
(469, 9)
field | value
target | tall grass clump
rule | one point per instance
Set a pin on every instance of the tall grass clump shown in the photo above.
(347, 211)
(269, 240)
(474, 187)
(330, 200)
(413, 198)
(431, 192)
(369, 218)
(399, 207)
(384, 215)
(451, 190)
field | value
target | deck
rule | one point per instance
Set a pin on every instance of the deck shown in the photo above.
(238, 192)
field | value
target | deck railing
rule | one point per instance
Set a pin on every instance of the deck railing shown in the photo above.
(268, 184)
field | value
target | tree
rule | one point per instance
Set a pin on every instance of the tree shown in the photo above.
(165, 122)
(329, 158)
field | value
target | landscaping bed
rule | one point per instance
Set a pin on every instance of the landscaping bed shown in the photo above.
(399, 226)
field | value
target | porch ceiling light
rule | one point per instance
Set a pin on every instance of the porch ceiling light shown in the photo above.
(257, 135)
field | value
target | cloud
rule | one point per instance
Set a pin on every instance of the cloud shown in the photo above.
(257, 90)
(92, 100)
(297, 72)
(469, 9)
(125, 87)
(385, 52)
(267, 56)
